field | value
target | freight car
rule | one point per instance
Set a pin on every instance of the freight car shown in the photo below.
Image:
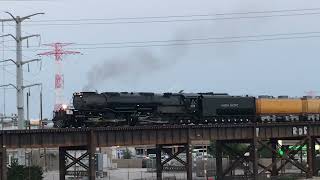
(284, 108)
(123, 108)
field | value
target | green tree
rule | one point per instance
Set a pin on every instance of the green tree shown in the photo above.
(236, 147)
(20, 172)
(127, 154)
(212, 149)
(15, 171)
(33, 173)
(265, 153)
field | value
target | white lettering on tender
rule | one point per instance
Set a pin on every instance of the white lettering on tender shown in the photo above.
(229, 105)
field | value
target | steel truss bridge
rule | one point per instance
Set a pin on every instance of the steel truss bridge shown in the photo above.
(257, 136)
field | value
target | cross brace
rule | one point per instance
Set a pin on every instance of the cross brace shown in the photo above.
(160, 164)
(288, 156)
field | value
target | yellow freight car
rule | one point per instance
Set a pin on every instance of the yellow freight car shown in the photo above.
(282, 108)
(311, 108)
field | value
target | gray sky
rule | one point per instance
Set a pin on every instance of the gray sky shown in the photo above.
(282, 67)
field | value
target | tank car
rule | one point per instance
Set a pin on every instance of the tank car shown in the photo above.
(282, 108)
(311, 108)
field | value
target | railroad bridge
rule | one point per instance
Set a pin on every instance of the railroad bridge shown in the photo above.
(257, 135)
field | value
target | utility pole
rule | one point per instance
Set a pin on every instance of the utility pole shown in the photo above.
(19, 63)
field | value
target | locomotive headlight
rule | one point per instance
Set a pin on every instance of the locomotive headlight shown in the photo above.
(64, 106)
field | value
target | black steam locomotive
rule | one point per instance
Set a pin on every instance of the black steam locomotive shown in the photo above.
(92, 109)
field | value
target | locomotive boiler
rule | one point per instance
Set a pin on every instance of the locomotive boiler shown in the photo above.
(123, 108)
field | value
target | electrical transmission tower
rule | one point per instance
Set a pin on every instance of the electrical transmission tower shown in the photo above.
(19, 64)
(58, 52)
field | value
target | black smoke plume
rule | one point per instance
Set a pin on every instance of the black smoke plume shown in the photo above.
(135, 65)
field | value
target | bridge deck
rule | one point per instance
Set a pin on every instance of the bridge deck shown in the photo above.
(150, 135)
(90, 138)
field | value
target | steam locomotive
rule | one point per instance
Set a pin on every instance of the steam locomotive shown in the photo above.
(92, 109)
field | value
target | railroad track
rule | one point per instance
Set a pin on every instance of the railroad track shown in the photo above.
(154, 127)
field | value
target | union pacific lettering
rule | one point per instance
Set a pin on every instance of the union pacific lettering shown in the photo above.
(229, 105)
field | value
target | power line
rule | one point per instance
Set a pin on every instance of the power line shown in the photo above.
(13, 27)
(33, 74)
(200, 39)
(170, 21)
(12, 50)
(193, 43)
(226, 39)
(197, 43)
(14, 75)
(193, 39)
(165, 19)
(177, 16)
(178, 42)
(1, 42)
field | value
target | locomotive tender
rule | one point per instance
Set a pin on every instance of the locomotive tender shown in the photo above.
(123, 108)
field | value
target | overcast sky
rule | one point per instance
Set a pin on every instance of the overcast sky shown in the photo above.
(280, 67)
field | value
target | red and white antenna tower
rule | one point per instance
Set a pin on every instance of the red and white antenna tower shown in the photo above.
(311, 93)
(58, 52)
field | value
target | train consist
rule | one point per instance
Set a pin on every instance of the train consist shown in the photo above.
(91, 109)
